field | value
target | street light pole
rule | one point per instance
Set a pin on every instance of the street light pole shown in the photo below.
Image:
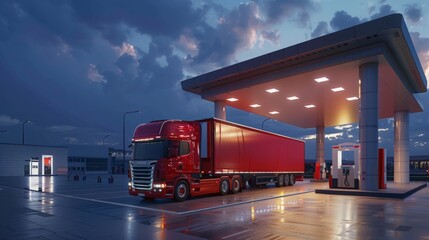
(123, 135)
(23, 130)
(104, 139)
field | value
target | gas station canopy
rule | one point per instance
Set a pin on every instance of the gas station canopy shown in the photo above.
(316, 83)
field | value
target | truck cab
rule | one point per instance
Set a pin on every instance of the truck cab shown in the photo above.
(164, 153)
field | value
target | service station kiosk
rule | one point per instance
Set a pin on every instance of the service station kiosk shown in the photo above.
(346, 175)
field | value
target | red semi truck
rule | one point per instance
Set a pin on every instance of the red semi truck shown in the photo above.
(177, 159)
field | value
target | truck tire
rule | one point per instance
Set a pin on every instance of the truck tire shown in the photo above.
(280, 180)
(287, 180)
(181, 191)
(236, 185)
(291, 180)
(224, 186)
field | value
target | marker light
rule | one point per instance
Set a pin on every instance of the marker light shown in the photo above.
(272, 90)
(337, 89)
(232, 99)
(274, 112)
(310, 106)
(293, 98)
(321, 79)
(255, 105)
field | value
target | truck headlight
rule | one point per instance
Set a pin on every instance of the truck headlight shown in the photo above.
(129, 184)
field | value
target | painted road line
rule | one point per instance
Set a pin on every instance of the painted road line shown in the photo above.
(168, 211)
(117, 204)
(235, 234)
(185, 212)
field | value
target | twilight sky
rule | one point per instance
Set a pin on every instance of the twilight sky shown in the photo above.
(74, 67)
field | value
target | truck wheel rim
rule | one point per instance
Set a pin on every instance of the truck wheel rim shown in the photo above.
(224, 186)
(236, 185)
(181, 190)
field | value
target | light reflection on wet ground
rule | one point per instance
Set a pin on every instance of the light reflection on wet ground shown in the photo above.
(86, 209)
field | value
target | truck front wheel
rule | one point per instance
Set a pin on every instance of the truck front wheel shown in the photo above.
(181, 191)
(224, 186)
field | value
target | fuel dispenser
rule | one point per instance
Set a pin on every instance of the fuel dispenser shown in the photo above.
(345, 175)
(320, 171)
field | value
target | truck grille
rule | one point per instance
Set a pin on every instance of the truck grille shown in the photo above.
(142, 174)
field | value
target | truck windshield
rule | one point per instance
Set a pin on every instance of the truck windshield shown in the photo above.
(152, 150)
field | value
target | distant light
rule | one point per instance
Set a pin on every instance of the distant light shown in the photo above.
(321, 79)
(274, 112)
(255, 105)
(310, 106)
(293, 98)
(232, 99)
(337, 89)
(352, 98)
(272, 90)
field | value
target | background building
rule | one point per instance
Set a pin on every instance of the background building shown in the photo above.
(22, 160)
(117, 164)
(84, 160)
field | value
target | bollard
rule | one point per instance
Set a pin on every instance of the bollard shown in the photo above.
(110, 179)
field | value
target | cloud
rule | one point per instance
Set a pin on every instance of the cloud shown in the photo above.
(272, 36)
(94, 75)
(239, 29)
(71, 140)
(127, 48)
(422, 47)
(320, 30)
(383, 10)
(155, 18)
(413, 13)
(296, 10)
(8, 121)
(342, 20)
(62, 128)
(348, 126)
(236, 30)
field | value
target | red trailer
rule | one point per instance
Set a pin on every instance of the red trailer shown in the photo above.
(177, 159)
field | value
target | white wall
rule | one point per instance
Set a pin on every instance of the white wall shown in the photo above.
(13, 158)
